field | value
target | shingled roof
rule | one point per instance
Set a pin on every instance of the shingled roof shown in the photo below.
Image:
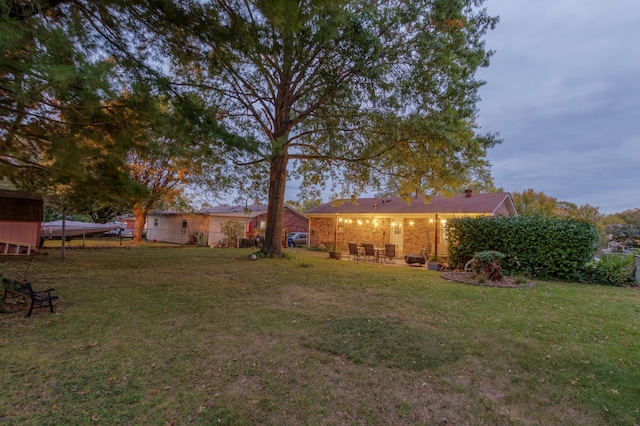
(460, 203)
(254, 210)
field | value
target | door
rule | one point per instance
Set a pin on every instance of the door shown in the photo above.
(396, 236)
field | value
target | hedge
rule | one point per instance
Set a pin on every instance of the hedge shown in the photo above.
(544, 247)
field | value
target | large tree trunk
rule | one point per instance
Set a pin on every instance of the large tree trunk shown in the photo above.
(141, 219)
(277, 182)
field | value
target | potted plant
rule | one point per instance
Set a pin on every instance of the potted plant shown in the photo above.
(334, 253)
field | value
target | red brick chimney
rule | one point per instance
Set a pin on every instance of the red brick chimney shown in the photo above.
(467, 193)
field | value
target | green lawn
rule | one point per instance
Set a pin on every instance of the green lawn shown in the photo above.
(149, 335)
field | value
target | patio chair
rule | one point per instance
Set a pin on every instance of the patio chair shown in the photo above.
(389, 253)
(369, 251)
(354, 251)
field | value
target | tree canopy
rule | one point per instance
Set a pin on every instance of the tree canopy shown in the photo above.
(76, 106)
(532, 203)
(356, 94)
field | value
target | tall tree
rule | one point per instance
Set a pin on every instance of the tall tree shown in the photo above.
(177, 149)
(531, 203)
(584, 212)
(55, 125)
(358, 92)
(66, 131)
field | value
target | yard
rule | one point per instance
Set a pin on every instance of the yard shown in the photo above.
(151, 335)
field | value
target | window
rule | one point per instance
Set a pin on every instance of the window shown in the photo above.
(184, 226)
(155, 222)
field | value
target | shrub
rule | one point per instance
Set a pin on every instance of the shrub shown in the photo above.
(612, 269)
(232, 231)
(546, 247)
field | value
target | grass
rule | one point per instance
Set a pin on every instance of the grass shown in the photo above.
(150, 335)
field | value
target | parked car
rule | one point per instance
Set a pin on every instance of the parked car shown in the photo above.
(297, 239)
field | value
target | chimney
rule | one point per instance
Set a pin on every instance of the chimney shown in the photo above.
(467, 193)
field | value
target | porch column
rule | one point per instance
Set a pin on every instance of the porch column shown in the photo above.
(335, 234)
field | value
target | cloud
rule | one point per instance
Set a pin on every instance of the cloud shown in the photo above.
(563, 92)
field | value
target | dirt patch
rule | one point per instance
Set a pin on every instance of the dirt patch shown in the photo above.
(507, 282)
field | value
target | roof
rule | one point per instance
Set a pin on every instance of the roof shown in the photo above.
(232, 211)
(261, 208)
(244, 211)
(459, 203)
(20, 206)
(6, 193)
(235, 211)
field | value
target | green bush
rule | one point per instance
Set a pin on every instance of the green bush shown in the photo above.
(612, 269)
(232, 231)
(545, 247)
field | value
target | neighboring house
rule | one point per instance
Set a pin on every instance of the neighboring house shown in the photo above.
(175, 227)
(411, 227)
(21, 215)
(206, 225)
(245, 215)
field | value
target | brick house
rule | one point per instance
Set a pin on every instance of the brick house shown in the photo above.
(410, 226)
(205, 225)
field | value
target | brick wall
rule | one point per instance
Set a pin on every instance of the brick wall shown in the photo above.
(323, 232)
(418, 233)
(291, 222)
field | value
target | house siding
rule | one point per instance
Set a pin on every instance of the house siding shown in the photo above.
(13, 233)
(216, 237)
(503, 210)
(169, 228)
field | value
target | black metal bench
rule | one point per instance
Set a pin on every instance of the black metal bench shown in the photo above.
(22, 288)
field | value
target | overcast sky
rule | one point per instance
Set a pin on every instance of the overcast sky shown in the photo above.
(563, 92)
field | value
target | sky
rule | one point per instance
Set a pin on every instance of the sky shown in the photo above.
(563, 92)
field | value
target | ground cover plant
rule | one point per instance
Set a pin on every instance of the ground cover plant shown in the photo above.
(155, 335)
